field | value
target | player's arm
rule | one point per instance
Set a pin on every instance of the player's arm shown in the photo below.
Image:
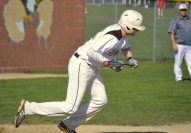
(173, 39)
(129, 54)
(101, 46)
(172, 31)
(95, 55)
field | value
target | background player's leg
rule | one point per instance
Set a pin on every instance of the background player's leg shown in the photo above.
(178, 62)
(188, 59)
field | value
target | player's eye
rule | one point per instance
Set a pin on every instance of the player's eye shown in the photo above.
(183, 10)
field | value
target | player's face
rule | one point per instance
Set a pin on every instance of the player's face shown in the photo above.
(183, 12)
(125, 34)
(134, 32)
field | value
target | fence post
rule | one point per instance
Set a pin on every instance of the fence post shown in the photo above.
(154, 32)
(116, 12)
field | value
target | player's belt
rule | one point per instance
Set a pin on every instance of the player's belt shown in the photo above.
(77, 56)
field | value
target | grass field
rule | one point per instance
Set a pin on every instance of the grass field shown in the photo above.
(145, 96)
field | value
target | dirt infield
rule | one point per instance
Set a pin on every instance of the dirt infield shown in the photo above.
(184, 128)
(6, 76)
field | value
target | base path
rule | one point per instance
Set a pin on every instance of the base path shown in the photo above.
(181, 128)
(7, 76)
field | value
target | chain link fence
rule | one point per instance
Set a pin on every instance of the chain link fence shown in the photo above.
(152, 44)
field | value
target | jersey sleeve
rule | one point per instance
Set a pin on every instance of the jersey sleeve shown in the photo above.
(125, 43)
(173, 26)
(104, 44)
(97, 52)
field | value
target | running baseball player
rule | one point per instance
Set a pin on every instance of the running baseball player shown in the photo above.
(84, 75)
(180, 31)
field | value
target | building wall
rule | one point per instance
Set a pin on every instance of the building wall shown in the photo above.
(49, 49)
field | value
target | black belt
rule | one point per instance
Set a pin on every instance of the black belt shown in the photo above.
(77, 56)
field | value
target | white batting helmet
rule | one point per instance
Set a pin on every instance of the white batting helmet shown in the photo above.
(131, 19)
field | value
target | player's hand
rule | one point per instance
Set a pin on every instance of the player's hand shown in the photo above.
(117, 68)
(117, 65)
(175, 48)
(133, 63)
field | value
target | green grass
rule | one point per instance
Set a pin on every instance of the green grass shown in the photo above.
(145, 96)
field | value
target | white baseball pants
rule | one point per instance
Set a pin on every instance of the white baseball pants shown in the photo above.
(183, 52)
(82, 77)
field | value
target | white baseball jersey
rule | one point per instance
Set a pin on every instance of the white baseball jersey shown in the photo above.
(106, 44)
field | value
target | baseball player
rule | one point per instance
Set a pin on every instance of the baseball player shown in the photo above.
(180, 31)
(84, 75)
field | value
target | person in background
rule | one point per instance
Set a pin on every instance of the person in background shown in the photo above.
(180, 34)
(161, 5)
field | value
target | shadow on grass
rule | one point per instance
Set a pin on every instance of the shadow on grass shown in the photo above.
(135, 132)
(186, 79)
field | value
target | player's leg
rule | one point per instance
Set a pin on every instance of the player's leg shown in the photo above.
(178, 62)
(188, 59)
(79, 76)
(162, 12)
(87, 111)
(75, 91)
(162, 9)
(158, 11)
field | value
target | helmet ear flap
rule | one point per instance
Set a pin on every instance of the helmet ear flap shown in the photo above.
(127, 28)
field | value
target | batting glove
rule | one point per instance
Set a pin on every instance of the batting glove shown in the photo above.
(116, 65)
(133, 62)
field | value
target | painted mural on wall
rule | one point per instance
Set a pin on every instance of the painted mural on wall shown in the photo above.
(18, 13)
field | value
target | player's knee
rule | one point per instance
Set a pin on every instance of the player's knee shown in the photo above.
(105, 101)
(74, 109)
(70, 108)
(100, 101)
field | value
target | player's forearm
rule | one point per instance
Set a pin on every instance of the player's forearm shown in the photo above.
(173, 39)
(95, 56)
(127, 53)
(99, 58)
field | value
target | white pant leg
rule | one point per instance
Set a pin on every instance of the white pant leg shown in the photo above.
(87, 111)
(188, 59)
(47, 108)
(80, 74)
(178, 61)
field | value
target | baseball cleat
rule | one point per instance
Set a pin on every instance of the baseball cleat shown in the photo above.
(65, 129)
(20, 114)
